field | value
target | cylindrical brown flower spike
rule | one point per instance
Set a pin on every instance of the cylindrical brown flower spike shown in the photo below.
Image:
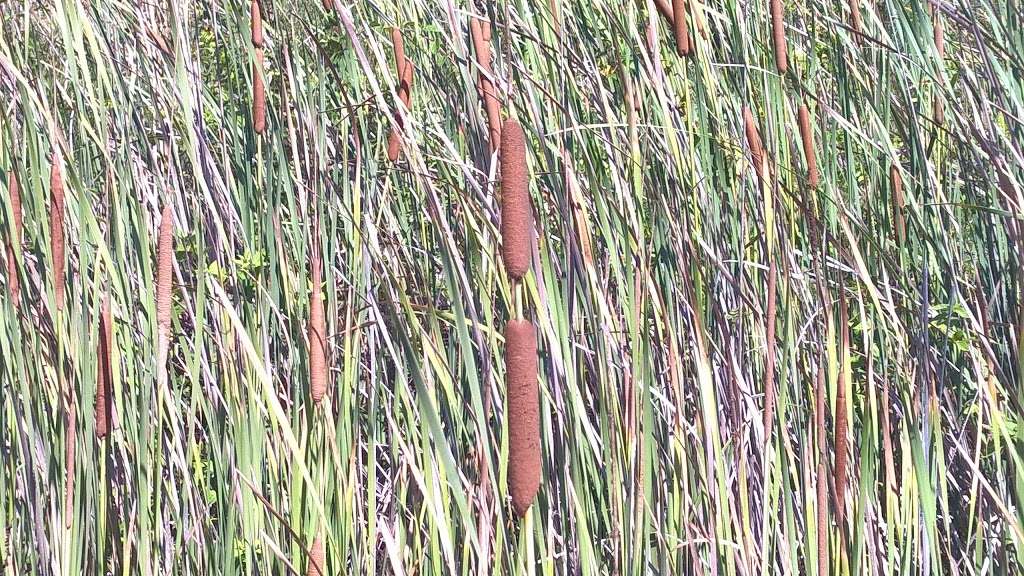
(841, 420)
(317, 338)
(14, 242)
(481, 33)
(316, 558)
(104, 376)
(754, 142)
(57, 229)
(257, 24)
(807, 138)
(404, 68)
(523, 405)
(779, 37)
(259, 95)
(516, 212)
(682, 33)
(896, 182)
(164, 271)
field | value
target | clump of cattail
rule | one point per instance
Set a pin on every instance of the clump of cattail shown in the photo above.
(164, 271)
(316, 557)
(317, 338)
(256, 18)
(896, 183)
(481, 33)
(754, 142)
(516, 212)
(524, 465)
(779, 37)
(405, 69)
(57, 229)
(104, 376)
(14, 242)
(807, 138)
(842, 423)
(682, 33)
(259, 95)
(769, 364)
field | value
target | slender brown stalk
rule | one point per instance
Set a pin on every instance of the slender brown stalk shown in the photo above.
(896, 183)
(57, 229)
(679, 26)
(104, 376)
(842, 424)
(259, 95)
(779, 37)
(317, 336)
(481, 33)
(14, 242)
(807, 138)
(256, 18)
(516, 211)
(769, 364)
(524, 457)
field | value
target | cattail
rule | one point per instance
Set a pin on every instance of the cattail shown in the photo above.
(938, 110)
(807, 138)
(164, 270)
(516, 212)
(524, 465)
(259, 95)
(317, 338)
(754, 142)
(769, 364)
(819, 424)
(57, 229)
(257, 24)
(316, 558)
(328, 5)
(855, 18)
(841, 420)
(69, 462)
(104, 376)
(14, 242)
(779, 36)
(679, 27)
(481, 33)
(404, 68)
(665, 8)
(896, 182)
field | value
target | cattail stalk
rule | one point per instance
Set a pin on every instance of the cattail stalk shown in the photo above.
(317, 337)
(104, 376)
(57, 229)
(256, 18)
(69, 460)
(779, 37)
(682, 32)
(524, 465)
(842, 423)
(316, 557)
(259, 95)
(896, 183)
(769, 364)
(516, 212)
(14, 242)
(807, 139)
(481, 33)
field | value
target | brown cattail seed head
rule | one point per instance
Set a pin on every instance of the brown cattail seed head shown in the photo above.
(257, 24)
(896, 183)
(14, 241)
(855, 18)
(104, 376)
(754, 141)
(259, 95)
(682, 33)
(57, 229)
(841, 420)
(481, 33)
(524, 465)
(769, 364)
(807, 138)
(516, 212)
(316, 558)
(317, 338)
(779, 37)
(665, 8)
(164, 271)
